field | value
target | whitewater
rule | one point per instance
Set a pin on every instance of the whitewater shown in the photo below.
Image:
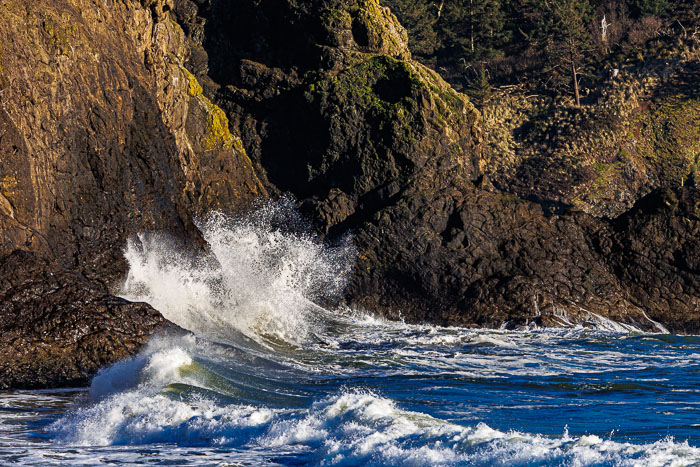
(266, 369)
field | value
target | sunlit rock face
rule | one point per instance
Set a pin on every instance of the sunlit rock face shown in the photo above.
(104, 135)
(142, 115)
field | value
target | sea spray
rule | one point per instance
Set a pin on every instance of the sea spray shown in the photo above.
(261, 276)
(345, 388)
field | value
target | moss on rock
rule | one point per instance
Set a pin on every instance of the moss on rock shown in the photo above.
(193, 87)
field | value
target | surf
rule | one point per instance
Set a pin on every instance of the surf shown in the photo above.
(264, 371)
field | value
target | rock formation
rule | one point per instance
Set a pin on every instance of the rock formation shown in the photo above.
(103, 133)
(125, 116)
(374, 143)
(57, 328)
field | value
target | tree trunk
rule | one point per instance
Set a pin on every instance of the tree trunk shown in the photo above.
(471, 23)
(439, 12)
(574, 74)
(575, 77)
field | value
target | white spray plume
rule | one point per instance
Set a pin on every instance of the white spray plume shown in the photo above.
(257, 278)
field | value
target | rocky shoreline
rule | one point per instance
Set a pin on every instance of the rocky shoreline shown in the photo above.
(196, 105)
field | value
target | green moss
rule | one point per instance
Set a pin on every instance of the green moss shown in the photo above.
(336, 19)
(600, 167)
(380, 82)
(49, 28)
(510, 198)
(8, 185)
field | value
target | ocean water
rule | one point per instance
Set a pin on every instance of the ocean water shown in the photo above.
(266, 376)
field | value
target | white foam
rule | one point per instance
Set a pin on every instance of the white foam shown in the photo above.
(256, 279)
(158, 365)
(352, 428)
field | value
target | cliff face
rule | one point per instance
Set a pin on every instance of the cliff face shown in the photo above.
(374, 143)
(127, 116)
(105, 132)
(328, 102)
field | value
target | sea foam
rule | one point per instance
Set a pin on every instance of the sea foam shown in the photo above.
(351, 428)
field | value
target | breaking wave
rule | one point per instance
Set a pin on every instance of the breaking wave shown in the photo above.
(266, 375)
(257, 278)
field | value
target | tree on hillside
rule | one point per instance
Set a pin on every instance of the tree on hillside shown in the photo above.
(419, 18)
(561, 29)
(473, 28)
(650, 7)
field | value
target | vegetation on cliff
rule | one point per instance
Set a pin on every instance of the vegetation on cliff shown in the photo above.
(626, 124)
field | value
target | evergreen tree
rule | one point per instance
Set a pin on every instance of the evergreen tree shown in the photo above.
(473, 28)
(563, 33)
(419, 18)
(650, 7)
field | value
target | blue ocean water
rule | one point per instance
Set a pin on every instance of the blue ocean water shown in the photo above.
(267, 377)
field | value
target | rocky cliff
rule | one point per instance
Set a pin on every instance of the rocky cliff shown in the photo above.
(380, 146)
(124, 116)
(103, 133)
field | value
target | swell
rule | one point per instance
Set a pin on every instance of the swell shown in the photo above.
(266, 372)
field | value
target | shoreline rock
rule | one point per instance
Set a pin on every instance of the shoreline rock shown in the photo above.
(57, 328)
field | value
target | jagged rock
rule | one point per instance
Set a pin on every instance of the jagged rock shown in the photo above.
(373, 143)
(471, 258)
(655, 249)
(58, 328)
(329, 104)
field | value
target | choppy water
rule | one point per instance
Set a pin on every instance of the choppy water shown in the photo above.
(268, 377)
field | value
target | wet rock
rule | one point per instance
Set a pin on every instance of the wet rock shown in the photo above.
(57, 328)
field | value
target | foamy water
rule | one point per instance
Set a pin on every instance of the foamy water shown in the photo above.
(268, 377)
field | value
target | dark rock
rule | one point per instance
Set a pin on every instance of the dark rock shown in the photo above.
(472, 258)
(373, 143)
(58, 328)
(655, 249)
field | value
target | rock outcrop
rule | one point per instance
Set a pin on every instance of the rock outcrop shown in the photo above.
(655, 250)
(472, 258)
(58, 328)
(119, 117)
(374, 143)
(103, 134)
